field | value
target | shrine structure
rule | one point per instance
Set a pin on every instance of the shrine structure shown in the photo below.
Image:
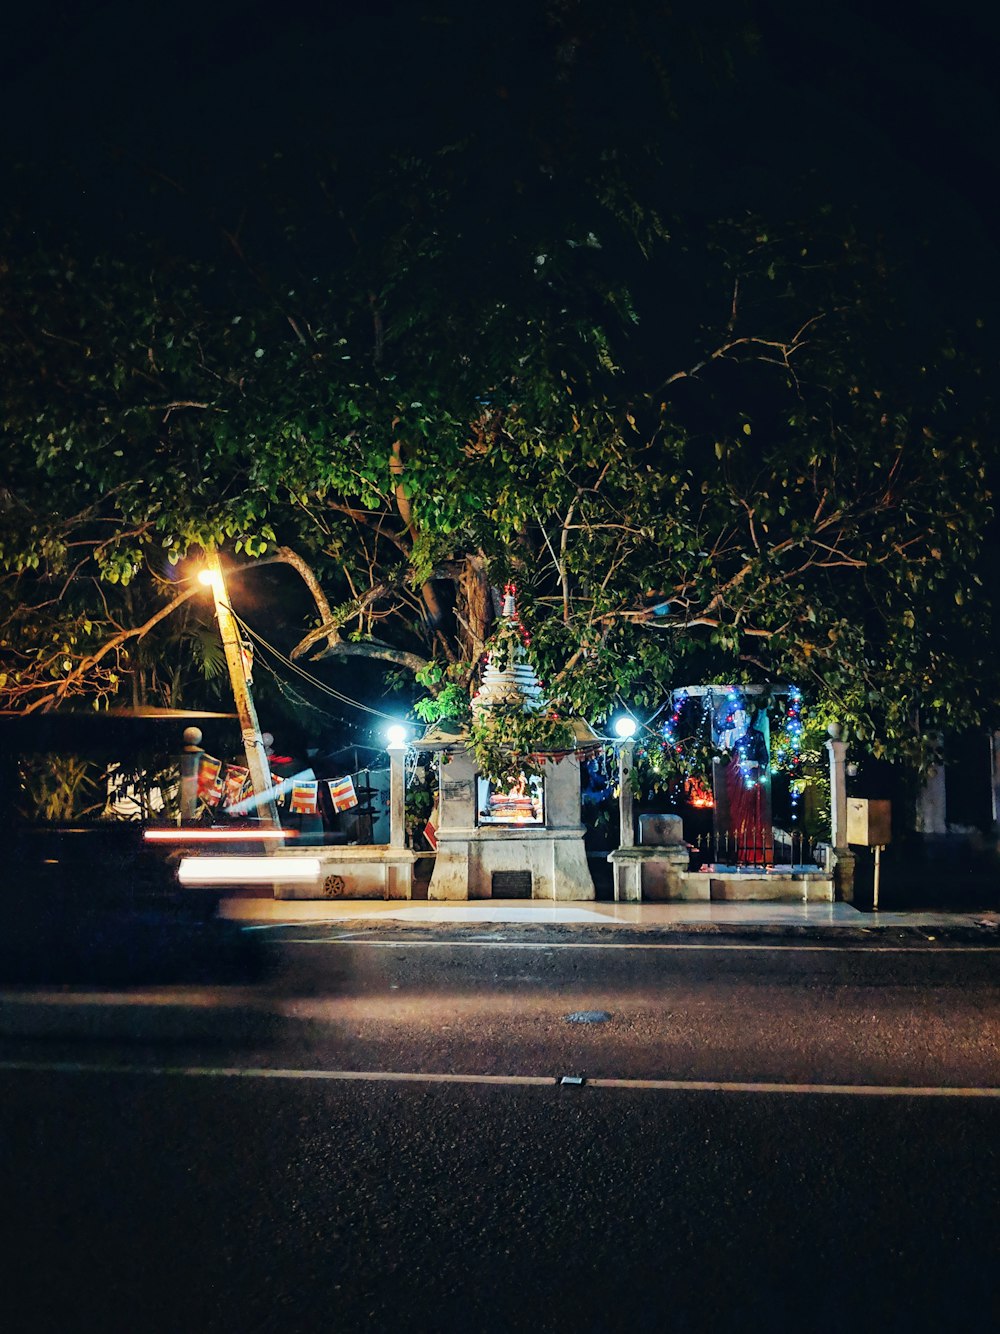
(521, 842)
(750, 860)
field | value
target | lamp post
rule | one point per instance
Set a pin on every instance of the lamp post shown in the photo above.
(253, 743)
(625, 731)
(625, 860)
(397, 785)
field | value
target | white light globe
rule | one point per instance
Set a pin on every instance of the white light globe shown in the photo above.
(396, 734)
(206, 577)
(625, 727)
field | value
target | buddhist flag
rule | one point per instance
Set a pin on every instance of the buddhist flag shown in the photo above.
(237, 781)
(342, 793)
(304, 797)
(209, 782)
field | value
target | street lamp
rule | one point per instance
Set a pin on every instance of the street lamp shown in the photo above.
(625, 726)
(397, 736)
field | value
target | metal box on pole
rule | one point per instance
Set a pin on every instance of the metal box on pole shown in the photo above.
(870, 823)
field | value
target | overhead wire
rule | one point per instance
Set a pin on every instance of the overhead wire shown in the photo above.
(289, 692)
(307, 676)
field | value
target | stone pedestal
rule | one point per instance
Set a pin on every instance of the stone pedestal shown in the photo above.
(359, 872)
(843, 875)
(504, 861)
(838, 864)
(657, 870)
(650, 873)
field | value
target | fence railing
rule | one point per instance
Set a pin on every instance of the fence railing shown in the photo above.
(756, 848)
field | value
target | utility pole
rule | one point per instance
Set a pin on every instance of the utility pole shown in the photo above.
(253, 743)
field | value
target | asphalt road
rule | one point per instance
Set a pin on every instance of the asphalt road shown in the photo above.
(801, 1136)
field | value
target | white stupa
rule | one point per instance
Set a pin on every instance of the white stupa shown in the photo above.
(514, 684)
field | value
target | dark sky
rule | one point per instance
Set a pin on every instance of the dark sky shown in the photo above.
(222, 78)
(888, 108)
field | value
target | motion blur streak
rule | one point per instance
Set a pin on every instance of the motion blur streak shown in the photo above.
(216, 835)
(248, 870)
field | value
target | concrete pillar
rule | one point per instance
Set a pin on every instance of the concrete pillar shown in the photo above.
(626, 754)
(190, 760)
(843, 871)
(838, 787)
(627, 871)
(931, 815)
(995, 778)
(397, 794)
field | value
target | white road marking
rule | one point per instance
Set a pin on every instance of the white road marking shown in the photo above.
(640, 945)
(550, 1081)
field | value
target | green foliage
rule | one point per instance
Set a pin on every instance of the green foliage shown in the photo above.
(59, 787)
(420, 794)
(508, 741)
(207, 651)
(450, 704)
(814, 782)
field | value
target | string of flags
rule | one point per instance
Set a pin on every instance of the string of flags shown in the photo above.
(228, 785)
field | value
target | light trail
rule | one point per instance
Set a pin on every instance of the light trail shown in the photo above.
(217, 835)
(263, 870)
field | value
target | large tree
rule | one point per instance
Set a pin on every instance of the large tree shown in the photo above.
(704, 442)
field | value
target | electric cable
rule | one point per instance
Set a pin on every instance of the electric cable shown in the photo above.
(307, 676)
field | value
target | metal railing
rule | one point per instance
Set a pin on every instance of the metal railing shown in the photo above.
(756, 848)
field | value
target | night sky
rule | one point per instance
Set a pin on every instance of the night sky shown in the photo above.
(891, 109)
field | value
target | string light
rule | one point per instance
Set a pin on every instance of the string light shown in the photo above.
(669, 729)
(753, 772)
(793, 727)
(747, 767)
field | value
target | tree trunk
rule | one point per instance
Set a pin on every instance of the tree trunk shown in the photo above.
(476, 605)
(432, 602)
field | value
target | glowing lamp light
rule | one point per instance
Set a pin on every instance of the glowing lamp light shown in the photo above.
(207, 578)
(625, 727)
(397, 735)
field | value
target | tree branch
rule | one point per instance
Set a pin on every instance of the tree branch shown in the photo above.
(370, 649)
(116, 641)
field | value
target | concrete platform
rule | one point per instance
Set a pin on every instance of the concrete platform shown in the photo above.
(272, 911)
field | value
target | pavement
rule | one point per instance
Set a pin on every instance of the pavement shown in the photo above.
(671, 917)
(101, 1008)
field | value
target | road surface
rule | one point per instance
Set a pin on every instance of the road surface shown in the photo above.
(786, 1135)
